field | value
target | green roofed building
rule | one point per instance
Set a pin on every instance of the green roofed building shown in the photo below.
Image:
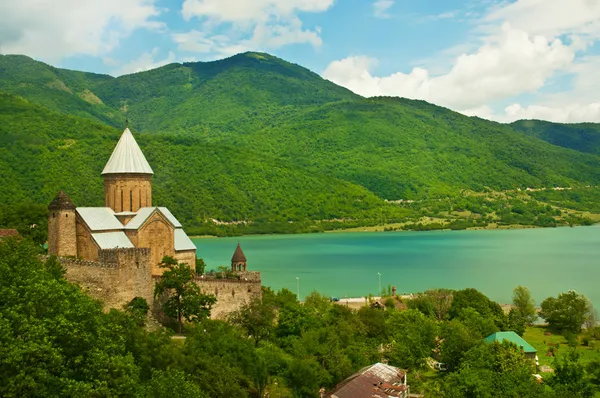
(528, 349)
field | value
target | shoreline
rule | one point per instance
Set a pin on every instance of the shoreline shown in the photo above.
(380, 228)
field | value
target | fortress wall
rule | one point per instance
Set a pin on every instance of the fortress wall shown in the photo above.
(231, 294)
(119, 275)
(116, 278)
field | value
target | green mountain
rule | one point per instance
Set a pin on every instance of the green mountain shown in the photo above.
(42, 151)
(253, 137)
(582, 137)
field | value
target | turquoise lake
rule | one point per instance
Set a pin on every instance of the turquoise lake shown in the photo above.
(548, 261)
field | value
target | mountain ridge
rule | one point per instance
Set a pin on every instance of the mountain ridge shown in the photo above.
(254, 113)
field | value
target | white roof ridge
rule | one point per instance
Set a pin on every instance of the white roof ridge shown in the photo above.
(127, 157)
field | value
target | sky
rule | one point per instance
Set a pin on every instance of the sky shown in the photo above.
(500, 60)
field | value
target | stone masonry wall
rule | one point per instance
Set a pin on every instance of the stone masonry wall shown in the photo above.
(62, 240)
(116, 278)
(231, 293)
(119, 275)
(127, 192)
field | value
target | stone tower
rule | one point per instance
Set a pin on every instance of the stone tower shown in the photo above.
(127, 177)
(62, 238)
(238, 261)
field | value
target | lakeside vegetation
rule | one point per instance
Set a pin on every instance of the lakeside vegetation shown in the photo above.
(57, 341)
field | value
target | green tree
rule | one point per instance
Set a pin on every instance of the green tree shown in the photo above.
(256, 318)
(172, 383)
(474, 299)
(138, 309)
(492, 370)
(516, 322)
(183, 300)
(570, 378)
(567, 312)
(200, 266)
(413, 337)
(524, 304)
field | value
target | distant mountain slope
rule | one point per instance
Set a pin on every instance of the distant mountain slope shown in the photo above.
(252, 113)
(583, 137)
(61, 90)
(42, 151)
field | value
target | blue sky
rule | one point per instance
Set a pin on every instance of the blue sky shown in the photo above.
(501, 60)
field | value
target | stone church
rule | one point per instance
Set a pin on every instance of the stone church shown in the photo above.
(113, 252)
(127, 220)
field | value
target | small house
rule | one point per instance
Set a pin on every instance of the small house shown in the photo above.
(514, 338)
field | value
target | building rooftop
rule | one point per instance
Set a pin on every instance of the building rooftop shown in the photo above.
(99, 218)
(145, 212)
(513, 338)
(378, 380)
(238, 255)
(8, 232)
(61, 202)
(182, 241)
(108, 231)
(127, 157)
(112, 240)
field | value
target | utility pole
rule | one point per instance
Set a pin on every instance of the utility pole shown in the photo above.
(298, 287)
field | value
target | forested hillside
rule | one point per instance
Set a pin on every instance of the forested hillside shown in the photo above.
(253, 137)
(583, 137)
(42, 151)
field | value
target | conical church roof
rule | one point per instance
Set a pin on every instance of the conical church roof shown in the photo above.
(238, 255)
(127, 157)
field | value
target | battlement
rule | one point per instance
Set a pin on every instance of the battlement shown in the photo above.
(126, 258)
(239, 277)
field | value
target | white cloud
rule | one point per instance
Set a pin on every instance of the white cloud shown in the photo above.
(51, 30)
(146, 61)
(580, 103)
(523, 45)
(250, 10)
(551, 17)
(512, 63)
(251, 24)
(380, 8)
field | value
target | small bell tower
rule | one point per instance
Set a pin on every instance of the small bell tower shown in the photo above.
(238, 261)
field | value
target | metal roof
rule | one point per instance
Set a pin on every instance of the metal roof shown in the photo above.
(112, 240)
(378, 380)
(182, 241)
(99, 218)
(144, 212)
(127, 157)
(513, 338)
(167, 213)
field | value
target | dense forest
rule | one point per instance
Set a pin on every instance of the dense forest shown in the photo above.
(56, 341)
(268, 146)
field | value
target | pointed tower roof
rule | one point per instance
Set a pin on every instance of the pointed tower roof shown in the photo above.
(238, 255)
(61, 202)
(127, 157)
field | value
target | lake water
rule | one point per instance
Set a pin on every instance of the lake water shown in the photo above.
(548, 261)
